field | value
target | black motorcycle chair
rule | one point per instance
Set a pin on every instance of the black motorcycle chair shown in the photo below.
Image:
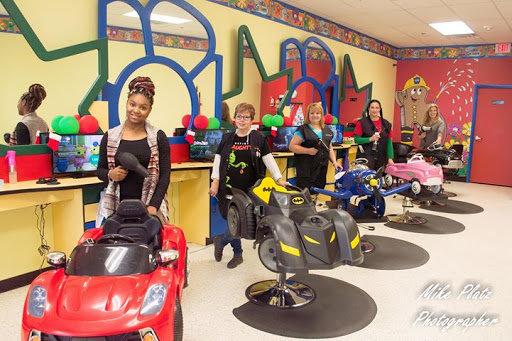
(133, 220)
(401, 151)
(293, 238)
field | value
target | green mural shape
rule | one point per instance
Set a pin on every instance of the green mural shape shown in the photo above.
(42, 53)
(244, 32)
(347, 67)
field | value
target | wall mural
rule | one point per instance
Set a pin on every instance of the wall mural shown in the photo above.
(112, 91)
(450, 84)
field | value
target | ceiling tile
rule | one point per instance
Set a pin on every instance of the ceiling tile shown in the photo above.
(434, 14)
(505, 8)
(476, 11)
(408, 4)
(466, 2)
(496, 24)
(372, 5)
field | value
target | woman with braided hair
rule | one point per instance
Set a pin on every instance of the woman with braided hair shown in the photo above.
(26, 130)
(148, 144)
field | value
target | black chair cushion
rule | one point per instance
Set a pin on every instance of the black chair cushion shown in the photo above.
(132, 219)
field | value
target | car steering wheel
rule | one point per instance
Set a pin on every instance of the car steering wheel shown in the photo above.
(434, 146)
(361, 161)
(113, 238)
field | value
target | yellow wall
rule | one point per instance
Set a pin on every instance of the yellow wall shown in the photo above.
(68, 80)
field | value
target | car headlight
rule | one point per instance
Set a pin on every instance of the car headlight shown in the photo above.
(154, 299)
(37, 301)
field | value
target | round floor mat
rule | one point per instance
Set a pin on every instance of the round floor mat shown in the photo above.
(340, 308)
(454, 206)
(450, 194)
(434, 225)
(393, 254)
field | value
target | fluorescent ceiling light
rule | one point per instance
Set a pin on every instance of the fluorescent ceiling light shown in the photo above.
(159, 17)
(452, 28)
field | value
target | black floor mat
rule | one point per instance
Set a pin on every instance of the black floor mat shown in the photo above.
(340, 308)
(454, 206)
(434, 225)
(393, 254)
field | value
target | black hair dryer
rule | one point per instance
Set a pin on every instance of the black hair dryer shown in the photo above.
(130, 162)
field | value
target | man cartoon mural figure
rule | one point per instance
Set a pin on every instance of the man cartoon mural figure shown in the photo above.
(413, 105)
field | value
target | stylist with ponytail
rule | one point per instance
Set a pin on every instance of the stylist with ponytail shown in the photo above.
(26, 130)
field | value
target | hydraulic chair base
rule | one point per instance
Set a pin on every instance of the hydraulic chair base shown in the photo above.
(280, 293)
(406, 217)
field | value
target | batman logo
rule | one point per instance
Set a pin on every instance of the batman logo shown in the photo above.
(267, 189)
(297, 200)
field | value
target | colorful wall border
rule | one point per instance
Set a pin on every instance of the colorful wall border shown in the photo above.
(292, 16)
(349, 36)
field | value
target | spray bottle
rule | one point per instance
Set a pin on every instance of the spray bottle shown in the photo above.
(11, 160)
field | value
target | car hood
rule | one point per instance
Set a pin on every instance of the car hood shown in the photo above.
(100, 298)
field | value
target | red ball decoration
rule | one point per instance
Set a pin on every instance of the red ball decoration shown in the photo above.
(328, 119)
(201, 122)
(88, 124)
(185, 120)
(287, 121)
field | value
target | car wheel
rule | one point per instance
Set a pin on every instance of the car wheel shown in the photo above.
(178, 321)
(233, 218)
(187, 270)
(435, 189)
(388, 180)
(267, 252)
(416, 187)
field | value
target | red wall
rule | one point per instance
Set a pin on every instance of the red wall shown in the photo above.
(455, 101)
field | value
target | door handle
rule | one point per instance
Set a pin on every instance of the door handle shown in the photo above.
(477, 138)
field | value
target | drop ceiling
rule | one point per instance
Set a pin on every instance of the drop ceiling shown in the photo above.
(404, 23)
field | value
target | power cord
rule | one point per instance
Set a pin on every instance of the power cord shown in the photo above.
(44, 248)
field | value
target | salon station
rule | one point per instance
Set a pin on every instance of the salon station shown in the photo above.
(255, 169)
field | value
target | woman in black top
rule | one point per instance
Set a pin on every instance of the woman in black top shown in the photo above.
(241, 159)
(148, 144)
(313, 150)
(26, 130)
(373, 136)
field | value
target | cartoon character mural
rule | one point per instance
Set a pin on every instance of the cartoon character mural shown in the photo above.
(95, 154)
(413, 102)
(79, 157)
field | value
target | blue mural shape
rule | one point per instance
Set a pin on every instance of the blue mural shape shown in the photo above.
(112, 92)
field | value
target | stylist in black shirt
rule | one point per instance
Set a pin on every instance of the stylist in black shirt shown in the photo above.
(148, 144)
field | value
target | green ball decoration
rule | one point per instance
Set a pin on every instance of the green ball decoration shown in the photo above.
(277, 120)
(267, 120)
(68, 125)
(213, 123)
(55, 123)
(334, 120)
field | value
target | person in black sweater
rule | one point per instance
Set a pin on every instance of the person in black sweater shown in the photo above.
(313, 150)
(373, 134)
(241, 159)
(26, 130)
(148, 144)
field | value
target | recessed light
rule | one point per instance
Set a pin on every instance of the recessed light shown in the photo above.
(487, 27)
(159, 17)
(451, 28)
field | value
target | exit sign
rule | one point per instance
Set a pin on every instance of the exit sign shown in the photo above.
(502, 48)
